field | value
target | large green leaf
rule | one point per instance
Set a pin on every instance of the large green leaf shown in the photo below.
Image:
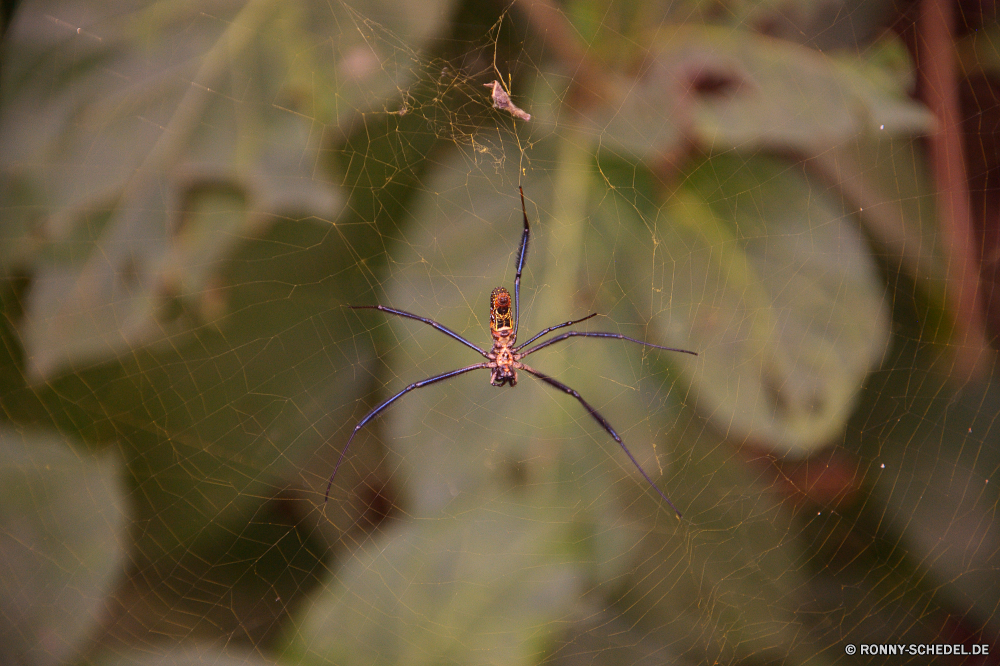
(728, 585)
(725, 89)
(885, 179)
(62, 545)
(193, 654)
(485, 583)
(171, 204)
(777, 290)
(608, 28)
(932, 469)
(143, 144)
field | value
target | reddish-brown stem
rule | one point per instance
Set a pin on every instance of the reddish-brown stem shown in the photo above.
(937, 66)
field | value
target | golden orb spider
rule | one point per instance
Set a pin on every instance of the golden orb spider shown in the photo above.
(504, 358)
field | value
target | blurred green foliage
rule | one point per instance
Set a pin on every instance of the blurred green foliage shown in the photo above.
(191, 195)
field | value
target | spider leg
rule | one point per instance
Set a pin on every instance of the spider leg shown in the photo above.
(430, 322)
(604, 424)
(522, 254)
(552, 328)
(587, 334)
(375, 412)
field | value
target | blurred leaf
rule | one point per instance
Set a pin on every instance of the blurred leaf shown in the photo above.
(886, 179)
(728, 582)
(882, 78)
(978, 51)
(193, 654)
(725, 89)
(602, 638)
(159, 107)
(932, 468)
(176, 205)
(779, 293)
(62, 545)
(727, 576)
(485, 584)
(850, 24)
(241, 410)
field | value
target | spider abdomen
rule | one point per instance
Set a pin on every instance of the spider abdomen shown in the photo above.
(501, 318)
(504, 362)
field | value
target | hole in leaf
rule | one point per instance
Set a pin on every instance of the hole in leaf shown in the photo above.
(718, 84)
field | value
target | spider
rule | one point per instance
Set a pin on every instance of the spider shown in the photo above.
(504, 359)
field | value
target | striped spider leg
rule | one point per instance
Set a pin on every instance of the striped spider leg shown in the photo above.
(503, 360)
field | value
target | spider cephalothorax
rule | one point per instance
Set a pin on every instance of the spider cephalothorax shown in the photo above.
(504, 358)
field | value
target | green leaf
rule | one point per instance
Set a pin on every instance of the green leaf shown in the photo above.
(930, 465)
(881, 79)
(757, 271)
(728, 565)
(723, 89)
(486, 583)
(242, 410)
(186, 247)
(62, 545)
(192, 654)
(728, 582)
(886, 179)
(146, 144)
(977, 51)
(603, 638)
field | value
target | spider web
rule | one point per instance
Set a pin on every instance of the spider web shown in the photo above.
(192, 194)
